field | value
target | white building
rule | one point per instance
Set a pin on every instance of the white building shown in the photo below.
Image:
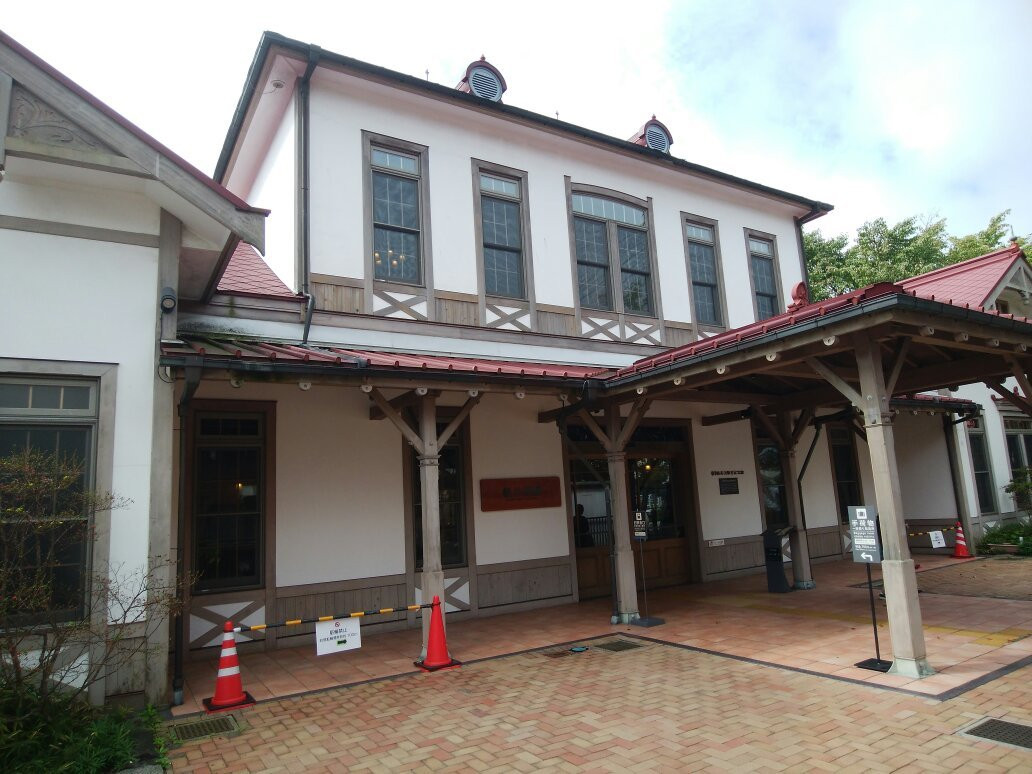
(473, 310)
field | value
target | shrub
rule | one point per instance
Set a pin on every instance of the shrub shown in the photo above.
(1017, 533)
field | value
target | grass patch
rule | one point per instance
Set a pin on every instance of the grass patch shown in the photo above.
(70, 736)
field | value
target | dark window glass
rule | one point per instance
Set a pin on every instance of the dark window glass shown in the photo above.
(452, 491)
(503, 248)
(592, 263)
(651, 482)
(703, 261)
(983, 472)
(634, 270)
(592, 519)
(396, 228)
(14, 396)
(228, 504)
(76, 398)
(765, 286)
(843, 465)
(1014, 453)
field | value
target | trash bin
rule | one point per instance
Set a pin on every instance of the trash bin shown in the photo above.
(774, 559)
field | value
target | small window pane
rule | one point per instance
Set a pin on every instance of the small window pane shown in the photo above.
(634, 251)
(707, 307)
(636, 293)
(14, 396)
(499, 185)
(983, 472)
(503, 274)
(398, 161)
(703, 262)
(501, 221)
(395, 201)
(593, 285)
(702, 233)
(46, 396)
(76, 398)
(609, 209)
(761, 246)
(395, 255)
(592, 245)
(763, 276)
(766, 307)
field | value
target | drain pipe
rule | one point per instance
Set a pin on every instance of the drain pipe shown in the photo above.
(303, 225)
(192, 379)
(959, 495)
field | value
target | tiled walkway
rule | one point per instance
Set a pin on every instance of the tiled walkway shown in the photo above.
(654, 708)
(824, 631)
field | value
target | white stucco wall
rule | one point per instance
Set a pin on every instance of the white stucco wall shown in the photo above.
(343, 106)
(924, 467)
(508, 442)
(77, 300)
(996, 446)
(274, 189)
(819, 498)
(727, 447)
(339, 485)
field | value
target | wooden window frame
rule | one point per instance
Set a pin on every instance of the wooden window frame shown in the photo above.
(520, 177)
(424, 288)
(779, 299)
(843, 520)
(979, 431)
(688, 218)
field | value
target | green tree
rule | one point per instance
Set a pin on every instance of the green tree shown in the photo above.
(884, 253)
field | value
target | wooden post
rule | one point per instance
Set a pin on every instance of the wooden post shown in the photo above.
(904, 609)
(801, 575)
(626, 582)
(429, 476)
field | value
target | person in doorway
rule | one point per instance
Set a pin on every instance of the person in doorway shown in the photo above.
(581, 529)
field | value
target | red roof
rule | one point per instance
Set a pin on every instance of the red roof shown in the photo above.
(129, 126)
(248, 274)
(762, 328)
(968, 283)
(269, 351)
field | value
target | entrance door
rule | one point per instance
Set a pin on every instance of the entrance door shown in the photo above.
(657, 486)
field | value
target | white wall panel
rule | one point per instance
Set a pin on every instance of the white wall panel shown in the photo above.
(275, 189)
(727, 447)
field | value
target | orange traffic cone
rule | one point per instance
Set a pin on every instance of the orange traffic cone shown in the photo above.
(437, 656)
(229, 690)
(960, 549)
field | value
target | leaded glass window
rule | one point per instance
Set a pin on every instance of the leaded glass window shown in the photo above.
(611, 236)
(765, 286)
(503, 237)
(702, 260)
(396, 217)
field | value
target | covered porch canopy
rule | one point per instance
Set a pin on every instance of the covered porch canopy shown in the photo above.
(855, 352)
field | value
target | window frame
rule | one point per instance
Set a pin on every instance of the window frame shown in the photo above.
(618, 311)
(850, 430)
(977, 429)
(424, 288)
(779, 297)
(688, 218)
(521, 178)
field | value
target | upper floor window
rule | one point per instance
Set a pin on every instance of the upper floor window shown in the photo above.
(981, 464)
(764, 275)
(703, 264)
(397, 254)
(502, 236)
(610, 238)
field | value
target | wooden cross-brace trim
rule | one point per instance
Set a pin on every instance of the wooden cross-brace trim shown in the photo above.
(397, 419)
(457, 420)
(593, 426)
(770, 427)
(897, 366)
(805, 417)
(406, 399)
(638, 410)
(835, 381)
(616, 441)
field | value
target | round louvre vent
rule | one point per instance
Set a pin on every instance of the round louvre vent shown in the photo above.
(656, 138)
(485, 84)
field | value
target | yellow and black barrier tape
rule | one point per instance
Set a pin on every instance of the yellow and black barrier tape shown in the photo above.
(940, 529)
(324, 618)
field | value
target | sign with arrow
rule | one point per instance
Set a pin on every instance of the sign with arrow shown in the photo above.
(863, 524)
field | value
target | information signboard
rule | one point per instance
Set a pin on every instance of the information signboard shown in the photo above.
(640, 526)
(863, 524)
(337, 635)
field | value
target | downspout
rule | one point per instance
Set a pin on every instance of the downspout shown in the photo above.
(192, 379)
(304, 220)
(958, 488)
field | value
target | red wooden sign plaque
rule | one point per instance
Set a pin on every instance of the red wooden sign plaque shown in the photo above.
(513, 494)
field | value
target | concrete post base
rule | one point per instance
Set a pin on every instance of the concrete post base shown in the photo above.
(904, 613)
(804, 585)
(624, 618)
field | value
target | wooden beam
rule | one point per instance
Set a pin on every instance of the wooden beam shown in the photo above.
(403, 401)
(595, 429)
(897, 366)
(554, 415)
(835, 381)
(730, 416)
(1022, 379)
(638, 410)
(397, 419)
(771, 428)
(805, 417)
(1018, 402)
(457, 420)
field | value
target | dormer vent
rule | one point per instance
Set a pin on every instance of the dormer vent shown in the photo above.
(483, 80)
(653, 134)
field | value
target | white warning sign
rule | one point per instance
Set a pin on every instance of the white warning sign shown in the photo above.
(337, 635)
(938, 541)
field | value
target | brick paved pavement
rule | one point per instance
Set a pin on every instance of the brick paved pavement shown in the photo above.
(656, 708)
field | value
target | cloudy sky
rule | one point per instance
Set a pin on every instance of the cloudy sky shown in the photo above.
(881, 108)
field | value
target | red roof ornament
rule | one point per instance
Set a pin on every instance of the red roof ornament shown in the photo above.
(800, 296)
(484, 80)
